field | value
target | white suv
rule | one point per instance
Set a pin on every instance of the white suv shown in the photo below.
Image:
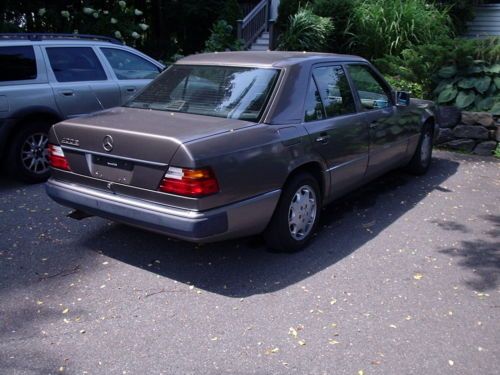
(47, 78)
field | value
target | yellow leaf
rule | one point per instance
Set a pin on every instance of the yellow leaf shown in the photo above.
(292, 331)
(418, 276)
(361, 372)
(272, 351)
(450, 362)
(334, 325)
(301, 342)
(65, 311)
(333, 342)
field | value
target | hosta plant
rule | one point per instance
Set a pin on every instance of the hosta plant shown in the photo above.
(475, 87)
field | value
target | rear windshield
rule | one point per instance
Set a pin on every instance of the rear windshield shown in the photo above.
(219, 91)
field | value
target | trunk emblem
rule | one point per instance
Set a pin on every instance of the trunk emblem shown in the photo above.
(107, 143)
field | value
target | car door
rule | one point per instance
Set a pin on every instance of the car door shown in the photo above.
(79, 82)
(131, 71)
(337, 131)
(388, 140)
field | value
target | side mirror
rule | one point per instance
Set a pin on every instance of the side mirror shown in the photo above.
(402, 98)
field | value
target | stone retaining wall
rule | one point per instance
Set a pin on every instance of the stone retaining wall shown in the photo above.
(475, 132)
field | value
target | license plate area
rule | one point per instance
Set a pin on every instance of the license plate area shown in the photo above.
(106, 161)
(111, 169)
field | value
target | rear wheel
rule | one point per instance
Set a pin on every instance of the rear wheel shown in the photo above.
(296, 216)
(421, 160)
(28, 156)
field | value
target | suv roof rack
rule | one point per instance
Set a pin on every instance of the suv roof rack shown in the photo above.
(57, 36)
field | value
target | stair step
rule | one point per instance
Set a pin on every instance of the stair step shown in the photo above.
(259, 48)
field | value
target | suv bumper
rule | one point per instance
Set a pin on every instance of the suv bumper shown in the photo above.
(244, 218)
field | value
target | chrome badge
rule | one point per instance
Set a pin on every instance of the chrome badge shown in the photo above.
(107, 143)
(71, 142)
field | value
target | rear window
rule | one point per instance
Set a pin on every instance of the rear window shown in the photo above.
(219, 91)
(18, 63)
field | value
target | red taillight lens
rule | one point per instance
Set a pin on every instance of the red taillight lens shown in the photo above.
(189, 182)
(57, 158)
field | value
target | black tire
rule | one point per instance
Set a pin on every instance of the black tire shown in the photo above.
(29, 145)
(421, 160)
(278, 235)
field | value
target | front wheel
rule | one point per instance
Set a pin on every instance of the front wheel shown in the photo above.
(28, 154)
(296, 216)
(421, 160)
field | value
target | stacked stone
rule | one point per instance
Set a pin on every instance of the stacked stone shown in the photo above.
(476, 132)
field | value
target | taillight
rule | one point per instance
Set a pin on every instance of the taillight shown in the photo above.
(189, 182)
(57, 158)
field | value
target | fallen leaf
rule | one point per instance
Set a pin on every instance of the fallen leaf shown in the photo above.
(333, 342)
(418, 276)
(361, 372)
(450, 362)
(272, 351)
(39, 302)
(82, 331)
(301, 342)
(292, 331)
(392, 326)
(65, 311)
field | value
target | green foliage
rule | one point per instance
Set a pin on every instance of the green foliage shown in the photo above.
(340, 12)
(231, 12)
(460, 12)
(306, 32)
(287, 9)
(382, 27)
(496, 153)
(402, 84)
(222, 38)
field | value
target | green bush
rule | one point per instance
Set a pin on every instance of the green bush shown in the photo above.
(401, 84)
(306, 32)
(222, 38)
(286, 9)
(382, 27)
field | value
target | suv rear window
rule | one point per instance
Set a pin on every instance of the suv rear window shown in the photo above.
(75, 64)
(219, 91)
(18, 63)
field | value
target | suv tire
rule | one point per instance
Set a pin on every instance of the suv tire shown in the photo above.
(28, 154)
(296, 216)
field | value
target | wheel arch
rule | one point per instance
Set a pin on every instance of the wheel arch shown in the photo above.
(315, 169)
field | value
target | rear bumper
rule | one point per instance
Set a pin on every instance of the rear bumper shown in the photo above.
(244, 218)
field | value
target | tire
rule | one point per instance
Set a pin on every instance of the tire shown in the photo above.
(287, 234)
(421, 160)
(28, 153)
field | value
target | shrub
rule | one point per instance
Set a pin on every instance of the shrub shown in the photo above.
(401, 84)
(340, 12)
(222, 38)
(286, 9)
(383, 27)
(306, 32)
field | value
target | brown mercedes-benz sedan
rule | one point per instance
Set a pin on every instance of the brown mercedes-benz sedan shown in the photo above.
(233, 144)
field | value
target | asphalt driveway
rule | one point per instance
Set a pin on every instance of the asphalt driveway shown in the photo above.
(402, 278)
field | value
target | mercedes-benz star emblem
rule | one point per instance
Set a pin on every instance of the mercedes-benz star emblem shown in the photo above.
(107, 143)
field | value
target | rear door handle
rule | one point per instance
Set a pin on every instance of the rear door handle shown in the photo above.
(323, 138)
(67, 92)
(130, 89)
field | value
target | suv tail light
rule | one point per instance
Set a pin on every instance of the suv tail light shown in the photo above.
(57, 158)
(189, 182)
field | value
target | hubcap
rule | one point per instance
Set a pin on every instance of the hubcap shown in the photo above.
(34, 153)
(426, 148)
(302, 212)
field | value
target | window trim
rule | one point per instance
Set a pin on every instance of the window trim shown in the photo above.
(380, 80)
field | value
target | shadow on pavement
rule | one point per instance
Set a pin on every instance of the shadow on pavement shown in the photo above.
(243, 268)
(481, 255)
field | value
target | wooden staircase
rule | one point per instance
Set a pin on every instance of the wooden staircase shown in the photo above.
(256, 30)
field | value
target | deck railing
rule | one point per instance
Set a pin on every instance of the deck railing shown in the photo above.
(255, 22)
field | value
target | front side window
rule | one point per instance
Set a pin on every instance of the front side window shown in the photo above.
(17, 63)
(372, 93)
(126, 65)
(219, 91)
(75, 64)
(334, 90)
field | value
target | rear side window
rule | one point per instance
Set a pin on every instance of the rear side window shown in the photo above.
(314, 108)
(334, 90)
(75, 64)
(17, 63)
(126, 65)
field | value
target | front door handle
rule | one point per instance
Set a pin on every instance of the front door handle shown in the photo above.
(323, 138)
(130, 89)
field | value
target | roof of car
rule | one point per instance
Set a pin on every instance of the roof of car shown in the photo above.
(263, 58)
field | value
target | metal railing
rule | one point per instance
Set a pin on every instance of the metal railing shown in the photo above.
(250, 27)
